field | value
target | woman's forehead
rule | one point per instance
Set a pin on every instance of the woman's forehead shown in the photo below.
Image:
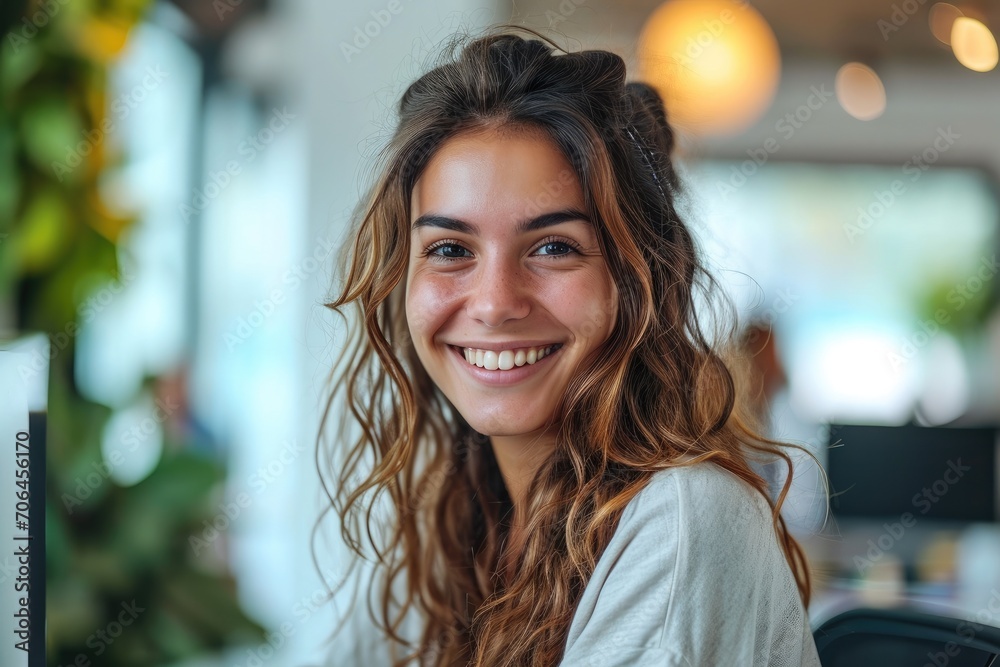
(510, 175)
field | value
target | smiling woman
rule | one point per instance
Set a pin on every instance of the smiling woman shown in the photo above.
(561, 444)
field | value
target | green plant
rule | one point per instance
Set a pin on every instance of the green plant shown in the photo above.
(114, 553)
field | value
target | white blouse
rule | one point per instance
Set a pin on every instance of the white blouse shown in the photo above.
(694, 576)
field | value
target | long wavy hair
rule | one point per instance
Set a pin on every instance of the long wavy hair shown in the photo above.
(661, 389)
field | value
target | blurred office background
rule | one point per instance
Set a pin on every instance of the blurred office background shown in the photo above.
(175, 177)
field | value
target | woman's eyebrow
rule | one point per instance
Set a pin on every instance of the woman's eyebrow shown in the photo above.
(528, 225)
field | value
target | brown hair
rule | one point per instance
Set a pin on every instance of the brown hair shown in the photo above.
(659, 390)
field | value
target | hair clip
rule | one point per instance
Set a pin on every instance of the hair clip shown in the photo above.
(646, 159)
(649, 162)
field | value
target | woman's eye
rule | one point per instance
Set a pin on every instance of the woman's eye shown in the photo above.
(454, 251)
(555, 248)
(448, 251)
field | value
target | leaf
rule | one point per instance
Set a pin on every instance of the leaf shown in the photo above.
(43, 233)
(20, 60)
(53, 134)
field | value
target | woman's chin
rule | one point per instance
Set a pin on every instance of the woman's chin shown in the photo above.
(506, 426)
(521, 424)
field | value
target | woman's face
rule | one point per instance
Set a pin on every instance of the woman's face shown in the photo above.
(504, 262)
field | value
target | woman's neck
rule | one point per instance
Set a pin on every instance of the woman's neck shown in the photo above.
(519, 457)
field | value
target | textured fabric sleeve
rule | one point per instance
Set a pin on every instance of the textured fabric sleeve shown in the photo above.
(694, 576)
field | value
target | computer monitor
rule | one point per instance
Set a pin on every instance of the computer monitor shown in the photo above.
(937, 473)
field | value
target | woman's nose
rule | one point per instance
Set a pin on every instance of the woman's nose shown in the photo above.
(498, 293)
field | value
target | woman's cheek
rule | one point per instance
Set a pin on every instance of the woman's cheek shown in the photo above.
(587, 307)
(430, 301)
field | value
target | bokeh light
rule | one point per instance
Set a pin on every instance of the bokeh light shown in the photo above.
(860, 91)
(974, 44)
(716, 64)
(941, 19)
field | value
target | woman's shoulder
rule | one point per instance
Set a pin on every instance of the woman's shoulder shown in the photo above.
(707, 524)
(702, 498)
(694, 571)
(700, 524)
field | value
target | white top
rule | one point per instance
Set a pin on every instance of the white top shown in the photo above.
(693, 576)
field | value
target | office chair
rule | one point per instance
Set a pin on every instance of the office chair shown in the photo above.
(905, 638)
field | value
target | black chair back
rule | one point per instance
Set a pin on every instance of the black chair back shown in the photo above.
(906, 638)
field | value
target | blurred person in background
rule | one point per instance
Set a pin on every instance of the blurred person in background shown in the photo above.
(768, 400)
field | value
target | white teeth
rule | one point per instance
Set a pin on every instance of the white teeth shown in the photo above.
(506, 359)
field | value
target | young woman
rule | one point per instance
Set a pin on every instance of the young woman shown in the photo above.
(555, 441)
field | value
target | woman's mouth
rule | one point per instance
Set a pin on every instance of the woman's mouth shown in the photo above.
(505, 360)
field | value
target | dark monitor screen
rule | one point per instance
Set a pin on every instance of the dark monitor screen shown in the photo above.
(937, 473)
